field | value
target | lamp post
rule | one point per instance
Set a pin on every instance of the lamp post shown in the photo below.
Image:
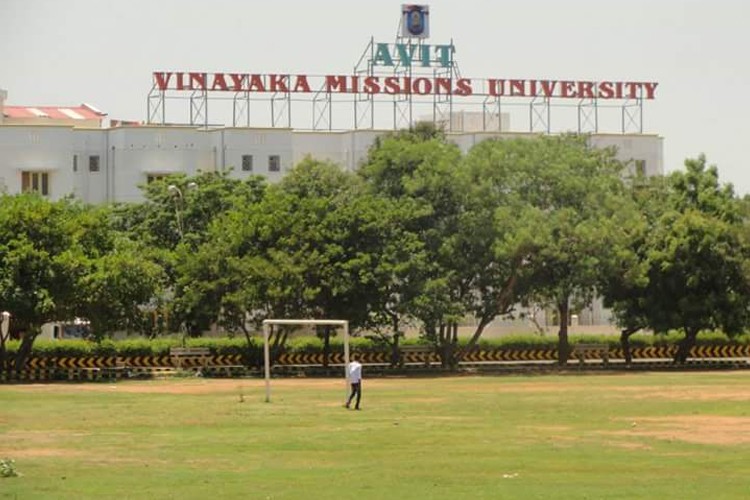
(4, 324)
(179, 204)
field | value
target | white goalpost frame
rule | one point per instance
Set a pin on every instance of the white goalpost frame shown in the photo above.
(267, 323)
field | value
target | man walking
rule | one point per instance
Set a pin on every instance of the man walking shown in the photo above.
(354, 371)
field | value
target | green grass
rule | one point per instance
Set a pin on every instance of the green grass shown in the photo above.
(675, 435)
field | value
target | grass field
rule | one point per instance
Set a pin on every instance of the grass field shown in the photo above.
(653, 435)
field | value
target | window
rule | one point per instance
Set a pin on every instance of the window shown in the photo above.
(247, 163)
(35, 182)
(154, 177)
(75, 163)
(94, 163)
(274, 163)
(640, 167)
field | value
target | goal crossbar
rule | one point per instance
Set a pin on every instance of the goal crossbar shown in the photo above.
(268, 323)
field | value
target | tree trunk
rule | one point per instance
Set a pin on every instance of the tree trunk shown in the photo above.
(395, 351)
(448, 340)
(24, 350)
(453, 362)
(503, 305)
(683, 349)
(248, 351)
(2, 349)
(443, 344)
(279, 340)
(473, 340)
(326, 345)
(2, 355)
(563, 347)
(396, 358)
(625, 342)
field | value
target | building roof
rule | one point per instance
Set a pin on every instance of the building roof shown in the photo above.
(82, 112)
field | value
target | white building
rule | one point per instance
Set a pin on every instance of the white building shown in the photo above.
(58, 151)
(61, 151)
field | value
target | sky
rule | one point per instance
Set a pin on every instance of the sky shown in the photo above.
(66, 52)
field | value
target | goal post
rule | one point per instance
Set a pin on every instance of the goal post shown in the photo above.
(268, 323)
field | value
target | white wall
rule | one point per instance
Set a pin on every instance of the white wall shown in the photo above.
(3, 98)
(128, 155)
(90, 186)
(325, 146)
(134, 153)
(635, 147)
(261, 144)
(37, 149)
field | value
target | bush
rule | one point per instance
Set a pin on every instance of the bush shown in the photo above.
(8, 468)
(227, 346)
(11, 347)
(304, 345)
(313, 344)
(63, 348)
(414, 341)
(520, 342)
(146, 347)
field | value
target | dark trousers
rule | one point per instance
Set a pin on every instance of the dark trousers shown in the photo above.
(356, 391)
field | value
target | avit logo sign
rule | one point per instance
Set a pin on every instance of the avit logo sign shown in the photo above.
(413, 55)
(405, 53)
(415, 21)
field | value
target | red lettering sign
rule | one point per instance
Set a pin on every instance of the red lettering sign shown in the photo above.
(418, 85)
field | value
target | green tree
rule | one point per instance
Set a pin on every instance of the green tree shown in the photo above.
(399, 259)
(174, 222)
(418, 170)
(116, 286)
(692, 259)
(39, 259)
(233, 272)
(574, 196)
(312, 247)
(324, 227)
(625, 285)
(496, 237)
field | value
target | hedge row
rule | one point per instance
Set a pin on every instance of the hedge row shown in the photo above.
(226, 346)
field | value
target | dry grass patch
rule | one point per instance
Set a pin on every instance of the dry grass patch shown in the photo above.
(696, 429)
(686, 393)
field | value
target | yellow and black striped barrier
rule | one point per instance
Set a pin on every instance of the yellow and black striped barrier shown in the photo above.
(146, 361)
(110, 367)
(80, 362)
(226, 360)
(489, 355)
(651, 352)
(335, 358)
(28, 375)
(380, 357)
(720, 351)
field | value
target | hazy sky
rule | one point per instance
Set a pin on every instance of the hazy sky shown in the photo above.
(65, 52)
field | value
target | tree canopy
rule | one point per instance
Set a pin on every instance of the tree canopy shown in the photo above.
(419, 235)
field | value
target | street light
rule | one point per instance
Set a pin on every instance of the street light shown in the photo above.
(179, 205)
(179, 201)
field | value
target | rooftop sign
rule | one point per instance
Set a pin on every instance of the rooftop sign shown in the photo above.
(410, 79)
(415, 21)
(395, 85)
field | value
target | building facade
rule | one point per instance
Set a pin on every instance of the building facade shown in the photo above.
(69, 152)
(60, 153)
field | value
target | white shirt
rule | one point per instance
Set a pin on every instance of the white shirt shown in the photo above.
(355, 372)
